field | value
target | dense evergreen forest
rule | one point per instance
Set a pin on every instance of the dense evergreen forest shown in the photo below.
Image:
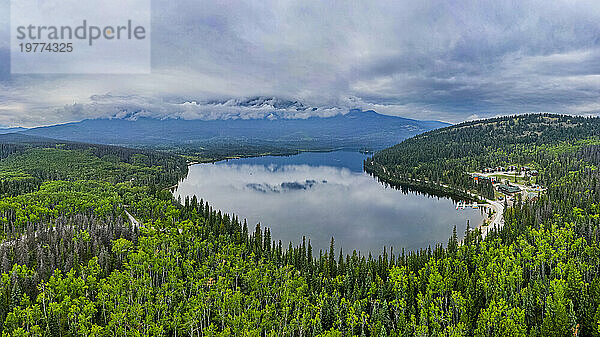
(73, 263)
(440, 159)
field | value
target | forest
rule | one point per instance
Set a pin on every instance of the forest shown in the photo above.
(72, 264)
(440, 159)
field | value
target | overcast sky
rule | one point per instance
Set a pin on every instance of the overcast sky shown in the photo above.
(441, 60)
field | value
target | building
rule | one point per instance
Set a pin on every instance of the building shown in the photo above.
(533, 196)
(508, 189)
(479, 178)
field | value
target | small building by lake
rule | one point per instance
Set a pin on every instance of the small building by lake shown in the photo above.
(508, 189)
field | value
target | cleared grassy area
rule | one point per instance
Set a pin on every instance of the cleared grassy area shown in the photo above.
(517, 179)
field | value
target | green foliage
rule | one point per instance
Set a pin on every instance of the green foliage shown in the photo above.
(498, 319)
(27, 166)
(72, 264)
(440, 159)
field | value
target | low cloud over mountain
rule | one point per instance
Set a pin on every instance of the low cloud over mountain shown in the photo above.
(259, 107)
(132, 107)
(268, 122)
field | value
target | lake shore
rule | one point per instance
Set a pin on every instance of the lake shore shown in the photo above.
(312, 187)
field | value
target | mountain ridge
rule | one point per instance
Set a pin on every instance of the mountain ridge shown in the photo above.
(356, 129)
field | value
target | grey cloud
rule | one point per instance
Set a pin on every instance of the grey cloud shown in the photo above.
(133, 107)
(444, 60)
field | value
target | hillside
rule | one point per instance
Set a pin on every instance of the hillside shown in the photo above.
(444, 156)
(356, 130)
(11, 130)
(27, 161)
(72, 263)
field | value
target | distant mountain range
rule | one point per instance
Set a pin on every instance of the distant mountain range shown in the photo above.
(356, 129)
(11, 130)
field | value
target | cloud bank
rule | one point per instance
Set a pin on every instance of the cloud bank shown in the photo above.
(133, 107)
(429, 59)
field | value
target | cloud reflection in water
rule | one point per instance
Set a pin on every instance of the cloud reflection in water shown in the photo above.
(325, 201)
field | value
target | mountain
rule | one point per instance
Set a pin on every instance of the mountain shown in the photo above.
(70, 242)
(11, 130)
(355, 129)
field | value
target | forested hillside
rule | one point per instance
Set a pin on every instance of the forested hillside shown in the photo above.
(73, 264)
(27, 161)
(444, 156)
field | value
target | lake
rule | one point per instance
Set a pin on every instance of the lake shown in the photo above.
(320, 195)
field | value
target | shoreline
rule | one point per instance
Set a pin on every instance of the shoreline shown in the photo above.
(496, 221)
(437, 190)
(275, 154)
(299, 151)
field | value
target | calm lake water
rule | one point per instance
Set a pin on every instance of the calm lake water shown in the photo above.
(321, 195)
